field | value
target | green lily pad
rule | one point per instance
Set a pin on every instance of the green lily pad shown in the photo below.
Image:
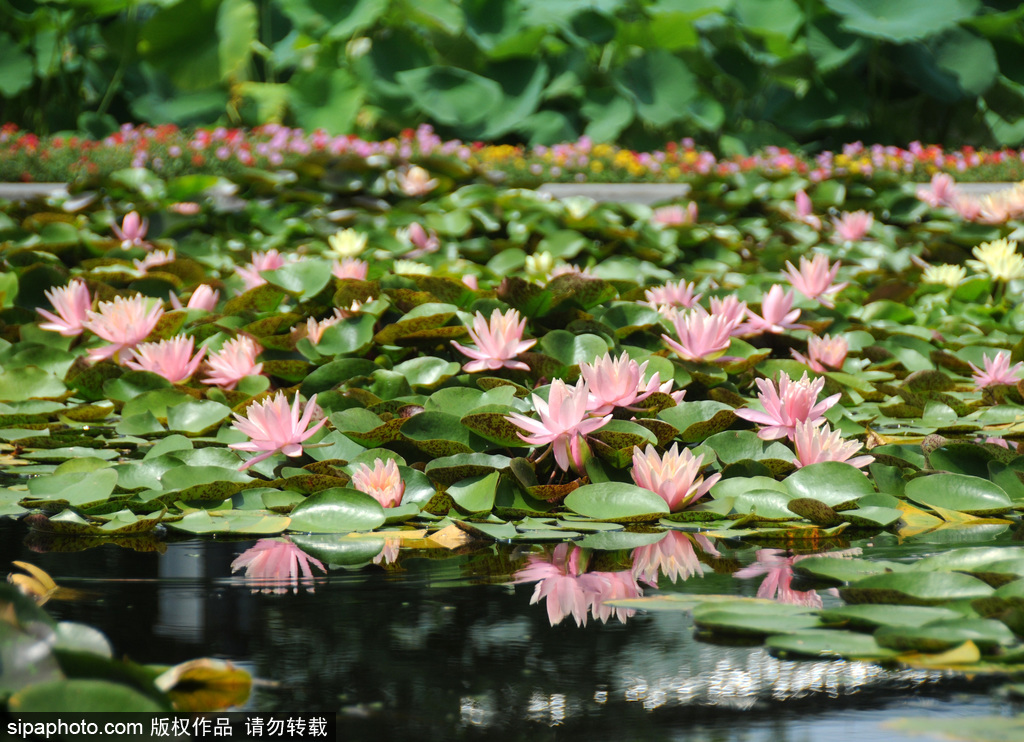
(338, 510)
(944, 634)
(475, 494)
(828, 643)
(915, 588)
(959, 492)
(870, 617)
(831, 482)
(697, 421)
(616, 501)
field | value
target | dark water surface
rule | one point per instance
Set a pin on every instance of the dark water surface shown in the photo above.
(444, 649)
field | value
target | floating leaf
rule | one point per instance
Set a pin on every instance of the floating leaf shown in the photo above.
(616, 501)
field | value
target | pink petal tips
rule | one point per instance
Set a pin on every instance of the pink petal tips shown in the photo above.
(498, 342)
(274, 427)
(123, 323)
(72, 303)
(675, 477)
(383, 482)
(786, 405)
(171, 359)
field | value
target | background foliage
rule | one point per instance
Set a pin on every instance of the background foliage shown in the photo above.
(735, 74)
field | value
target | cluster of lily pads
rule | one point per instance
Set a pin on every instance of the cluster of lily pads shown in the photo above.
(772, 361)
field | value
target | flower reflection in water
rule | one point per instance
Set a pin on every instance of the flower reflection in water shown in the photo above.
(274, 565)
(570, 590)
(389, 552)
(778, 572)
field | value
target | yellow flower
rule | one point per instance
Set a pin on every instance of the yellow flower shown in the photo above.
(411, 268)
(539, 266)
(347, 243)
(999, 259)
(947, 275)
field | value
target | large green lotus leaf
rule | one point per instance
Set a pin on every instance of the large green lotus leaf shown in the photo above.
(441, 434)
(475, 494)
(138, 425)
(232, 521)
(845, 570)
(736, 486)
(50, 360)
(942, 635)
(968, 559)
(133, 383)
(817, 512)
(336, 373)
(262, 298)
(616, 540)
(75, 488)
(616, 501)
(29, 382)
(571, 349)
(155, 402)
(699, 420)
(831, 482)
(451, 95)
(339, 510)
(739, 445)
(66, 453)
(849, 645)
(303, 278)
(959, 492)
(625, 435)
(411, 325)
(418, 488)
(511, 501)
(190, 475)
(961, 458)
(492, 531)
(915, 588)
(170, 444)
(904, 21)
(495, 427)
(426, 372)
(869, 617)
(583, 291)
(872, 516)
(196, 417)
(660, 84)
(450, 469)
(763, 503)
(747, 620)
(339, 549)
(351, 335)
(83, 695)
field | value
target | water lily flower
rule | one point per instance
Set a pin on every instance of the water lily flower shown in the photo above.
(185, 208)
(261, 261)
(347, 243)
(609, 586)
(672, 295)
(470, 282)
(816, 442)
(944, 275)
(787, 404)
(968, 207)
(563, 423)
(675, 477)
(498, 342)
(72, 304)
(235, 360)
(676, 215)
(171, 358)
(422, 242)
(997, 371)
(731, 308)
(132, 231)
(274, 427)
(673, 556)
(804, 210)
(776, 316)
(558, 577)
(410, 268)
(825, 351)
(350, 268)
(815, 279)
(275, 564)
(204, 297)
(940, 192)
(852, 226)
(389, 552)
(777, 584)
(153, 259)
(123, 323)
(383, 482)
(619, 382)
(416, 181)
(539, 266)
(702, 336)
(999, 259)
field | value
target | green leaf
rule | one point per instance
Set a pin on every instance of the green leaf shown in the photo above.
(196, 417)
(338, 510)
(15, 68)
(75, 488)
(339, 550)
(451, 95)
(869, 617)
(475, 494)
(571, 349)
(830, 482)
(915, 588)
(616, 501)
(659, 83)
(82, 695)
(304, 278)
(29, 382)
(236, 28)
(903, 21)
(959, 492)
(699, 420)
(943, 635)
(828, 643)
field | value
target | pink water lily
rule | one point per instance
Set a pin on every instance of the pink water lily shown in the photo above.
(171, 359)
(273, 565)
(675, 477)
(777, 583)
(132, 231)
(816, 442)
(204, 297)
(823, 353)
(777, 315)
(787, 404)
(153, 259)
(941, 191)
(609, 586)
(123, 323)
(702, 336)
(383, 482)
(72, 304)
(261, 261)
(815, 279)
(563, 423)
(804, 210)
(274, 427)
(422, 242)
(235, 360)
(672, 295)
(619, 382)
(998, 371)
(416, 181)
(673, 556)
(676, 215)
(498, 342)
(559, 583)
(730, 308)
(350, 268)
(852, 226)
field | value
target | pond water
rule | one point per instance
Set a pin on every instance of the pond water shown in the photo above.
(435, 647)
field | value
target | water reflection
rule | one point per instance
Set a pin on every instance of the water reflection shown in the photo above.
(778, 576)
(273, 565)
